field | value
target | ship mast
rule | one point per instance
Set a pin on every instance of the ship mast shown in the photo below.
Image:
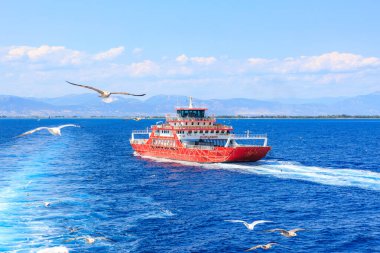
(190, 102)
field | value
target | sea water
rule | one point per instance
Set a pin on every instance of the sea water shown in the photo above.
(321, 175)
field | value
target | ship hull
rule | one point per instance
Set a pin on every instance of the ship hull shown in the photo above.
(216, 155)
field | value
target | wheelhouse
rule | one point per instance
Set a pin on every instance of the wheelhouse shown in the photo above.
(191, 113)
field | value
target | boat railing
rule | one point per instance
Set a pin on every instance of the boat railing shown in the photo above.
(202, 127)
(171, 118)
(146, 131)
(248, 136)
(140, 132)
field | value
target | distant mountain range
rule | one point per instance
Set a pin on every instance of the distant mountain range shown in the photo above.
(89, 105)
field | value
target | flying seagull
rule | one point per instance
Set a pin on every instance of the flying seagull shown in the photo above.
(262, 246)
(104, 94)
(60, 249)
(53, 130)
(250, 226)
(286, 233)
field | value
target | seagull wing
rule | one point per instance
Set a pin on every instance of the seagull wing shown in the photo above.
(86, 86)
(296, 230)
(276, 229)
(236, 221)
(259, 222)
(255, 247)
(32, 131)
(126, 93)
(68, 125)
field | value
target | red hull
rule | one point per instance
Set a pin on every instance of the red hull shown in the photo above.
(217, 155)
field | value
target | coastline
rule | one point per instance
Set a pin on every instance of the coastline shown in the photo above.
(218, 117)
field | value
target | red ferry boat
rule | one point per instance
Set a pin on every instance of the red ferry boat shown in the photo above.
(192, 136)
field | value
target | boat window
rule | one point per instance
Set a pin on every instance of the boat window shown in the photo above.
(209, 123)
(222, 132)
(206, 131)
(190, 132)
(195, 132)
(192, 123)
(191, 113)
(217, 131)
(201, 132)
(198, 123)
(212, 131)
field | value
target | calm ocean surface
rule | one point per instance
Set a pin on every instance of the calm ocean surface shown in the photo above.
(321, 175)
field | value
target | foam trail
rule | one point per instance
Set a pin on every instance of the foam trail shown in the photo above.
(293, 170)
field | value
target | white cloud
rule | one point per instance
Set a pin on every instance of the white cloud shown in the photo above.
(259, 61)
(203, 60)
(182, 58)
(17, 52)
(109, 54)
(143, 68)
(305, 75)
(43, 51)
(329, 62)
(52, 54)
(199, 60)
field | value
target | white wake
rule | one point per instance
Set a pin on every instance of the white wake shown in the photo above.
(294, 170)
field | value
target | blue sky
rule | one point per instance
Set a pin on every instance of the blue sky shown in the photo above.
(207, 49)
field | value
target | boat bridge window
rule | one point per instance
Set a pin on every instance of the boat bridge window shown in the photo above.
(191, 113)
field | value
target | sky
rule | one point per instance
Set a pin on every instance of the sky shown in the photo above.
(206, 49)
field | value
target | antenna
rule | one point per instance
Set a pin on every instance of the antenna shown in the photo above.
(190, 102)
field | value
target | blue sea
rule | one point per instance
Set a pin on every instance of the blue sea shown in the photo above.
(321, 175)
